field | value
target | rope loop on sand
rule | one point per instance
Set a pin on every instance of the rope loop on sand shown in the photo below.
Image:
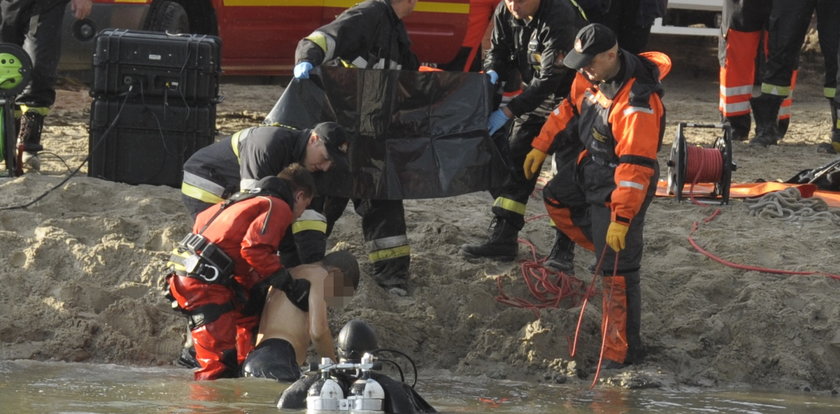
(788, 205)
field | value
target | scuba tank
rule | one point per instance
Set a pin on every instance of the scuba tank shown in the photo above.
(325, 395)
(366, 394)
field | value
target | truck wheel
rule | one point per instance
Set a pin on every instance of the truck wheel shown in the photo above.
(168, 16)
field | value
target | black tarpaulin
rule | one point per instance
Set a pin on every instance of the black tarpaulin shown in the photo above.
(415, 134)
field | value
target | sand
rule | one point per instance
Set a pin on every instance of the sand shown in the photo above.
(82, 269)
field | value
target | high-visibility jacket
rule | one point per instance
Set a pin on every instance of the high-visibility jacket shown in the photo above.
(367, 35)
(620, 124)
(219, 170)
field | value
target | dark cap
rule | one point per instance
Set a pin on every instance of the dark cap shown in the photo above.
(590, 41)
(335, 138)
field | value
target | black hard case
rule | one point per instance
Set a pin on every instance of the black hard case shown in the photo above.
(184, 66)
(148, 143)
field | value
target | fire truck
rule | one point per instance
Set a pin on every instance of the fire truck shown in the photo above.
(258, 36)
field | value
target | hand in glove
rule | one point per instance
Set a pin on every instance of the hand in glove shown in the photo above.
(302, 70)
(494, 77)
(496, 121)
(533, 162)
(297, 290)
(616, 235)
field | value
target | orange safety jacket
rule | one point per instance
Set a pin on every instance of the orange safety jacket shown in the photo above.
(620, 123)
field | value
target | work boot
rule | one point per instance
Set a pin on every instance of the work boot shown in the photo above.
(833, 146)
(392, 275)
(766, 113)
(561, 258)
(29, 140)
(501, 245)
(740, 125)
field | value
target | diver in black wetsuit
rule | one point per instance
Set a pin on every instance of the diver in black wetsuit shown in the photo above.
(356, 339)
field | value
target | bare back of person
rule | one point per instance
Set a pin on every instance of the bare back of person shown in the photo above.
(282, 319)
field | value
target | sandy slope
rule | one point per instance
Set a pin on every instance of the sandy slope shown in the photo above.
(81, 269)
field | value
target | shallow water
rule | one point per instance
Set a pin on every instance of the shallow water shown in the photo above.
(55, 387)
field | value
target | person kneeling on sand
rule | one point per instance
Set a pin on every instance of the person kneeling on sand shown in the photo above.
(290, 323)
(357, 375)
(220, 272)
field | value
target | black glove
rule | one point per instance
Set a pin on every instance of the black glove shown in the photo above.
(298, 293)
(297, 290)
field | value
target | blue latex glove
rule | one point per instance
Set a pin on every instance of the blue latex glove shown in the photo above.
(302, 70)
(494, 77)
(496, 121)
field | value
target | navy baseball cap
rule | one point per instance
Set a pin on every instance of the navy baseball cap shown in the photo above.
(590, 41)
(335, 139)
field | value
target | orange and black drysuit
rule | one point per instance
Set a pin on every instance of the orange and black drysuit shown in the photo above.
(217, 171)
(620, 124)
(368, 35)
(224, 296)
(535, 49)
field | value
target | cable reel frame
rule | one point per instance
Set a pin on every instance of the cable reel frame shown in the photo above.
(678, 164)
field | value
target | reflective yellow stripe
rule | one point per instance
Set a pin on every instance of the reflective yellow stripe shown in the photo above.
(304, 225)
(422, 6)
(319, 39)
(199, 194)
(40, 110)
(777, 90)
(234, 143)
(829, 92)
(510, 205)
(391, 253)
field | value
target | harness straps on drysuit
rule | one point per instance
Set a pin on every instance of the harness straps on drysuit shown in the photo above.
(197, 257)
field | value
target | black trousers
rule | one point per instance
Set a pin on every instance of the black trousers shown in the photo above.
(35, 26)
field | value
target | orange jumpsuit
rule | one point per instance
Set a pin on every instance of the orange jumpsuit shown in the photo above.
(222, 324)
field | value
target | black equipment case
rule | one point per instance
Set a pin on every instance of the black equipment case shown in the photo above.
(177, 66)
(154, 104)
(148, 144)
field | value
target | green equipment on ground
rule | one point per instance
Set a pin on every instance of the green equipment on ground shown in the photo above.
(15, 71)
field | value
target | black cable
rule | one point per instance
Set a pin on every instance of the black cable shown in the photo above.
(404, 355)
(76, 171)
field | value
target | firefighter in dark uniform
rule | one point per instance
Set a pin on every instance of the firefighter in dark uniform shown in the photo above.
(788, 24)
(615, 111)
(531, 37)
(631, 20)
(222, 270)
(217, 171)
(36, 26)
(369, 35)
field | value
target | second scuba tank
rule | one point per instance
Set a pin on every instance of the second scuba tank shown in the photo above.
(366, 394)
(325, 395)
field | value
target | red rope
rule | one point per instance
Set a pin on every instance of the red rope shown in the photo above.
(703, 164)
(547, 288)
(709, 165)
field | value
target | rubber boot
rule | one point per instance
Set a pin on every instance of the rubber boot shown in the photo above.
(501, 245)
(741, 125)
(29, 140)
(766, 113)
(392, 274)
(833, 146)
(561, 258)
(614, 320)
